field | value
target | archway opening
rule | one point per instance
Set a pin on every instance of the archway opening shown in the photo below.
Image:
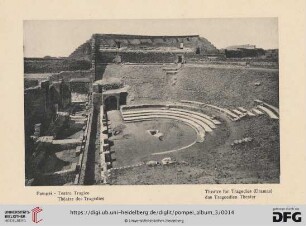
(198, 50)
(111, 103)
(180, 59)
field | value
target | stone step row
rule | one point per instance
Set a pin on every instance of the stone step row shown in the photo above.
(199, 129)
(173, 107)
(268, 112)
(203, 124)
(236, 114)
(175, 112)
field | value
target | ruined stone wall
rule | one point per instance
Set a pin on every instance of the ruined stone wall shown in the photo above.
(36, 110)
(36, 102)
(60, 94)
(67, 75)
(139, 41)
(40, 107)
(137, 57)
(105, 57)
(40, 101)
(148, 57)
(54, 65)
(80, 87)
(30, 83)
(87, 168)
(138, 49)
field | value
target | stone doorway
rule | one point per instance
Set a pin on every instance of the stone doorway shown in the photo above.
(111, 103)
(180, 59)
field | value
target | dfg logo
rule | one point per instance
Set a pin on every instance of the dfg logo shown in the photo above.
(285, 216)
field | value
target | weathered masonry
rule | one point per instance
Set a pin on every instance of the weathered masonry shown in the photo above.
(102, 49)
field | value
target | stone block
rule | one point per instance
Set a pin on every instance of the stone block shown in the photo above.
(95, 88)
(109, 165)
(78, 150)
(105, 147)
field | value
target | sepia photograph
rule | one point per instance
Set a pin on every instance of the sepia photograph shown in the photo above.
(151, 102)
(152, 112)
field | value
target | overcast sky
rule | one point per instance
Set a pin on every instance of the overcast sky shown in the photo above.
(62, 37)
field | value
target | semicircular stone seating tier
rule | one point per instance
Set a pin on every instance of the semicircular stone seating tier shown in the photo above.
(262, 108)
(199, 130)
(200, 122)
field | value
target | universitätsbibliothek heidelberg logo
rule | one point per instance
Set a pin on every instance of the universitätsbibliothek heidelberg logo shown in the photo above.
(23, 215)
(35, 212)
